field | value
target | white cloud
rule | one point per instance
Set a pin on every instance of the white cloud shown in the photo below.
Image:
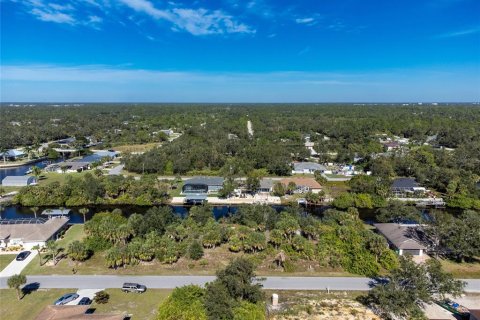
(304, 20)
(460, 33)
(195, 21)
(53, 16)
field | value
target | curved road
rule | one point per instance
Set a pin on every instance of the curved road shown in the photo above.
(169, 282)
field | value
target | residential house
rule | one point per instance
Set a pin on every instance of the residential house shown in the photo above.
(303, 185)
(266, 185)
(199, 185)
(307, 167)
(168, 132)
(18, 181)
(392, 145)
(13, 154)
(402, 187)
(404, 239)
(31, 233)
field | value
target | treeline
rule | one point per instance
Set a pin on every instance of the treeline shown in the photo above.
(89, 189)
(338, 241)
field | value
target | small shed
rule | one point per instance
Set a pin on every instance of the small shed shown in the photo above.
(18, 181)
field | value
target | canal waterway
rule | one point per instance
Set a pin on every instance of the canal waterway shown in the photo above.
(22, 170)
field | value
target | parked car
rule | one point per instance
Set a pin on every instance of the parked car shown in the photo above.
(85, 301)
(66, 298)
(22, 255)
(133, 287)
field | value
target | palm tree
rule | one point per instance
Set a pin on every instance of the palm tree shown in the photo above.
(77, 251)
(36, 171)
(16, 281)
(52, 247)
(39, 249)
(84, 212)
(3, 151)
(35, 211)
(28, 151)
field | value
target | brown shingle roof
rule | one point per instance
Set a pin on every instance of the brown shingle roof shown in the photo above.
(401, 236)
(52, 312)
(32, 231)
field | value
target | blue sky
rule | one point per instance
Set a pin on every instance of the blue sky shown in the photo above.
(240, 51)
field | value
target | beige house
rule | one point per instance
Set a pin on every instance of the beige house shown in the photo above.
(403, 238)
(28, 235)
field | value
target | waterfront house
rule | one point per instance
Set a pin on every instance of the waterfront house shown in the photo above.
(303, 185)
(403, 238)
(266, 185)
(13, 154)
(402, 187)
(18, 181)
(199, 185)
(30, 233)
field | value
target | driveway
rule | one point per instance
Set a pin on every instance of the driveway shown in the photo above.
(90, 293)
(16, 267)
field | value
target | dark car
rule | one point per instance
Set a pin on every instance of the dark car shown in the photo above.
(22, 255)
(133, 287)
(85, 301)
(66, 298)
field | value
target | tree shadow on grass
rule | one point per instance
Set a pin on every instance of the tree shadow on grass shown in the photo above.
(29, 288)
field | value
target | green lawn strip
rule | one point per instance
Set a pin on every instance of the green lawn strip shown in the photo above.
(465, 270)
(140, 306)
(31, 304)
(5, 259)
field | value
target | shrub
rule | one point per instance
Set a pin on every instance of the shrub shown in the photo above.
(101, 297)
(195, 251)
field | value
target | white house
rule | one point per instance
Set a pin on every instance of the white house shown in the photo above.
(307, 167)
(28, 235)
(18, 181)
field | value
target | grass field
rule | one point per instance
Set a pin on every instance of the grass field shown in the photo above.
(136, 147)
(462, 270)
(141, 306)
(5, 259)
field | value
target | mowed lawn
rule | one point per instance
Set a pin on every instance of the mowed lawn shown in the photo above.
(140, 306)
(5, 259)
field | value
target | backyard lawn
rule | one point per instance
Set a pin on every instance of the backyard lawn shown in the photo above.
(141, 306)
(5, 259)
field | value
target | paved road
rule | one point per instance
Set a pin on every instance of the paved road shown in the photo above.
(168, 282)
(16, 267)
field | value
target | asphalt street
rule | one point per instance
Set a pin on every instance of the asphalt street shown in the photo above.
(168, 282)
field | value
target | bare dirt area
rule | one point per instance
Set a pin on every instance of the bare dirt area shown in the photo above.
(302, 305)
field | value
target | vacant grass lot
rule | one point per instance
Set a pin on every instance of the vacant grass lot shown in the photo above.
(462, 270)
(136, 147)
(141, 306)
(31, 304)
(5, 259)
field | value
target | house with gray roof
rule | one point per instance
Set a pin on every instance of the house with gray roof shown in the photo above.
(202, 185)
(404, 239)
(307, 168)
(29, 235)
(18, 181)
(402, 187)
(13, 154)
(266, 185)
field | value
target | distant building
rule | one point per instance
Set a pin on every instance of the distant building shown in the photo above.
(404, 239)
(199, 185)
(18, 181)
(303, 185)
(29, 235)
(402, 187)
(307, 168)
(168, 132)
(266, 185)
(12, 154)
(392, 145)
